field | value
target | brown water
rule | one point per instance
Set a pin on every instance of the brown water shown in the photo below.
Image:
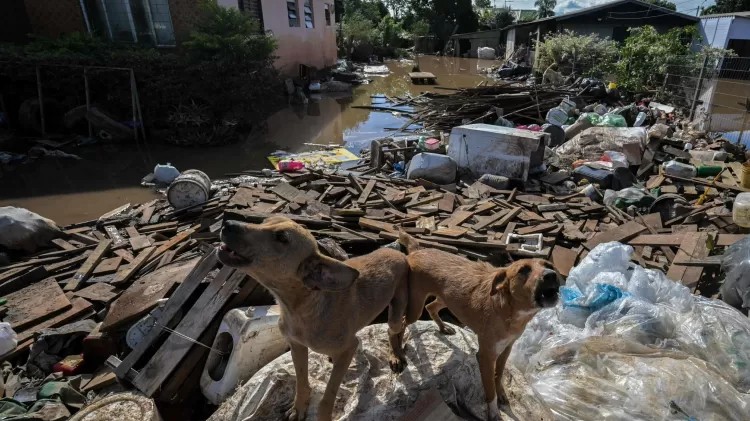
(108, 176)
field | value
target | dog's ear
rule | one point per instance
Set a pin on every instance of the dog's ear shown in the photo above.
(321, 272)
(500, 282)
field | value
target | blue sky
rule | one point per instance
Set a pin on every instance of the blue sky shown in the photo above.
(684, 6)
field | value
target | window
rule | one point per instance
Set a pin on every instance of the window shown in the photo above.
(291, 9)
(309, 14)
(132, 21)
(328, 14)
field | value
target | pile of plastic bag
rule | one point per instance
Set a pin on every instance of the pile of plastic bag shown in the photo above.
(627, 343)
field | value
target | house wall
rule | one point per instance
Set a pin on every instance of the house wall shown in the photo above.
(299, 45)
(715, 31)
(739, 29)
(55, 18)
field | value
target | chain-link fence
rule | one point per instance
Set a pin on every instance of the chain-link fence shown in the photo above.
(714, 90)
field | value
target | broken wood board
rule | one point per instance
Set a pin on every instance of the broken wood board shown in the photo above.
(107, 266)
(88, 266)
(622, 233)
(35, 303)
(174, 305)
(694, 246)
(141, 297)
(124, 274)
(676, 239)
(99, 292)
(192, 325)
(564, 259)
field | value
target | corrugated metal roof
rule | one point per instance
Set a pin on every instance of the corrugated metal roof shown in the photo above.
(722, 15)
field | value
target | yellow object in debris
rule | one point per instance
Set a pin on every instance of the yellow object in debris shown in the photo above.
(612, 85)
(329, 157)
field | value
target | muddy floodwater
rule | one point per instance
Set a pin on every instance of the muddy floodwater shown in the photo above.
(108, 176)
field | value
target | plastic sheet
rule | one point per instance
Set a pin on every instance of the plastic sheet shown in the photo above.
(594, 141)
(627, 343)
(736, 265)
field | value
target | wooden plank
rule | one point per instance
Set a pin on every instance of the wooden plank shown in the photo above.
(64, 245)
(463, 243)
(59, 266)
(24, 279)
(140, 242)
(457, 218)
(85, 239)
(366, 192)
(450, 232)
(126, 255)
(289, 193)
(676, 239)
(172, 242)
(536, 229)
(447, 203)
(132, 232)
(130, 270)
(148, 212)
(507, 218)
(142, 296)
(88, 266)
(118, 241)
(79, 306)
(169, 311)
(693, 247)
(192, 325)
(107, 266)
(622, 233)
(564, 259)
(376, 225)
(99, 292)
(102, 379)
(35, 303)
(485, 221)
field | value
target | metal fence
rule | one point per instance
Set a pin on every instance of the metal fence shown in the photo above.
(716, 91)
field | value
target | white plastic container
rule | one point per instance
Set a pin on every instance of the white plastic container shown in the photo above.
(679, 169)
(486, 53)
(488, 149)
(741, 210)
(567, 105)
(433, 167)
(249, 338)
(557, 116)
(165, 173)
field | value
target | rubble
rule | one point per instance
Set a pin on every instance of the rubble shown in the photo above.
(141, 288)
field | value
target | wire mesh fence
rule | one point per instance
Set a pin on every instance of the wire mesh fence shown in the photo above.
(714, 90)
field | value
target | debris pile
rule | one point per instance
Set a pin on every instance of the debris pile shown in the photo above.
(138, 295)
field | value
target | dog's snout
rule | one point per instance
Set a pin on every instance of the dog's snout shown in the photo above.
(550, 276)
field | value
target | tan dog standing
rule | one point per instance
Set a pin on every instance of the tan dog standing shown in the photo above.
(323, 302)
(495, 303)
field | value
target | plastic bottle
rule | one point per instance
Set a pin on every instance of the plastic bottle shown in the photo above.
(678, 169)
(708, 170)
(290, 165)
(640, 119)
(741, 210)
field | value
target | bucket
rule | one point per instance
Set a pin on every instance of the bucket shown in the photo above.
(190, 188)
(126, 406)
(745, 175)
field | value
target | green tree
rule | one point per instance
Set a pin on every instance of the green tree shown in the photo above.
(645, 56)
(420, 28)
(663, 3)
(586, 55)
(390, 31)
(504, 18)
(727, 6)
(483, 4)
(398, 8)
(545, 8)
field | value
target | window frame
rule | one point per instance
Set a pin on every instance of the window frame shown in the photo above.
(296, 13)
(305, 5)
(147, 7)
(327, 11)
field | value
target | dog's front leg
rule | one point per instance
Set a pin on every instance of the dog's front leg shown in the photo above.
(487, 358)
(340, 366)
(302, 392)
(502, 398)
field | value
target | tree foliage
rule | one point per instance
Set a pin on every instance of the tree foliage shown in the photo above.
(586, 55)
(727, 6)
(545, 8)
(483, 4)
(663, 3)
(226, 34)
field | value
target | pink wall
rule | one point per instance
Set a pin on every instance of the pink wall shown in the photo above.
(299, 45)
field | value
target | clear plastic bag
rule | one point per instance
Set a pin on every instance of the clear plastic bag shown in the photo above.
(637, 346)
(736, 265)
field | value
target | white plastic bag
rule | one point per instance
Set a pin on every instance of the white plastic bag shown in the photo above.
(627, 343)
(8, 338)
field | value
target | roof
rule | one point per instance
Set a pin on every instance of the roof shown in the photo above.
(723, 15)
(477, 34)
(606, 6)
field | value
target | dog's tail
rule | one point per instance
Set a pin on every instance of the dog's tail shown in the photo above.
(410, 243)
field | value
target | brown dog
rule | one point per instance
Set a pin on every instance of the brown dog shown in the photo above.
(323, 302)
(496, 303)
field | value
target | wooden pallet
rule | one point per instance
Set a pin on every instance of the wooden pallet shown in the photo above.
(418, 78)
(161, 353)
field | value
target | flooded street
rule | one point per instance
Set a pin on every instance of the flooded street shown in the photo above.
(108, 176)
